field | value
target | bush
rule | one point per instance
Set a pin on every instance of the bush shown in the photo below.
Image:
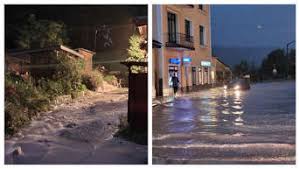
(22, 101)
(68, 72)
(61, 79)
(25, 98)
(51, 88)
(92, 80)
(111, 79)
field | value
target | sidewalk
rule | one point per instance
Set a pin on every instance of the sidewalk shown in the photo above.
(168, 99)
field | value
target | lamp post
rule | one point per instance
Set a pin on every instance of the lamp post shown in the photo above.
(287, 55)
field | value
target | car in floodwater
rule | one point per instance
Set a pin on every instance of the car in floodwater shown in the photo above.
(239, 84)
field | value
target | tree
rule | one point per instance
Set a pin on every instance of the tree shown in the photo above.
(41, 33)
(135, 52)
(292, 63)
(275, 59)
(241, 69)
(253, 71)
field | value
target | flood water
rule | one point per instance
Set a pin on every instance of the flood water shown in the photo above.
(226, 126)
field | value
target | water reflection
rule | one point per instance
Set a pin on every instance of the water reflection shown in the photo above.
(208, 109)
(205, 111)
(227, 109)
(238, 108)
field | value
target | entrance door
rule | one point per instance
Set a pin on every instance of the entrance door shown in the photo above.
(172, 70)
(205, 76)
(199, 76)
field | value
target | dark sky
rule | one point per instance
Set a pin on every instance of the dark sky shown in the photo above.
(250, 31)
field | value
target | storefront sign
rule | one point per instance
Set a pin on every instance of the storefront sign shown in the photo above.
(187, 59)
(174, 61)
(206, 63)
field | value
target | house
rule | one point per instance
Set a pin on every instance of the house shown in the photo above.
(182, 47)
(223, 72)
(37, 62)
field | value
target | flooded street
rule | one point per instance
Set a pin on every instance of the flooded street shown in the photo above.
(77, 132)
(216, 126)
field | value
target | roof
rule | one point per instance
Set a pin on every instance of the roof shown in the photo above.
(221, 62)
(88, 51)
(28, 51)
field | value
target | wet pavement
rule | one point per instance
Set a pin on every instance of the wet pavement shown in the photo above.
(218, 126)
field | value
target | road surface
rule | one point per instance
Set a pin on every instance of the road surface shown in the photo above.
(219, 127)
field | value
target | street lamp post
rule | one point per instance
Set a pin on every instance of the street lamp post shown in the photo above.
(287, 55)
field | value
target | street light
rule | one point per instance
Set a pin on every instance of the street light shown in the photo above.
(288, 44)
(287, 55)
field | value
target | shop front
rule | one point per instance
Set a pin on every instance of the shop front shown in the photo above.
(174, 65)
(206, 72)
(181, 68)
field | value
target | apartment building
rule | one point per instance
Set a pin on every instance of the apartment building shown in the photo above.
(184, 35)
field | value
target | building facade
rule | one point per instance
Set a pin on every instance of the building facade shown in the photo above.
(184, 33)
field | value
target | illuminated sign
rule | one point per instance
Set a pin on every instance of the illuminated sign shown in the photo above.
(174, 61)
(206, 63)
(187, 59)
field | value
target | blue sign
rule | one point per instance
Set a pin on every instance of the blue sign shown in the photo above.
(174, 61)
(206, 63)
(187, 59)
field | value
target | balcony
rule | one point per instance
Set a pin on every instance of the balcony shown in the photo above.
(179, 40)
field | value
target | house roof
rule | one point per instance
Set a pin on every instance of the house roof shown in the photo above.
(28, 51)
(221, 62)
(88, 51)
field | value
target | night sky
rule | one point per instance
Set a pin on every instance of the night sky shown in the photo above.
(250, 31)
